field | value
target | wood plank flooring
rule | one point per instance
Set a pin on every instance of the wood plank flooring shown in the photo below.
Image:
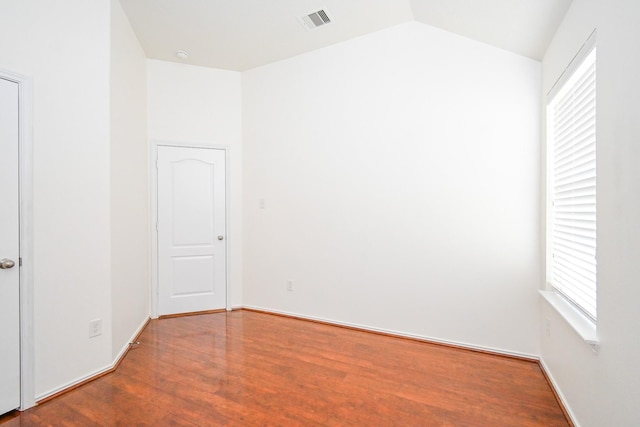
(253, 369)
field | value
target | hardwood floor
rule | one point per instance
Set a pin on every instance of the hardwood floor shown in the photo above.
(252, 369)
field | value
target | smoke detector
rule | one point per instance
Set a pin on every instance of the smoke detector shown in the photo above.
(315, 20)
(182, 54)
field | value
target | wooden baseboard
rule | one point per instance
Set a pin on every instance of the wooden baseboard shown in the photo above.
(99, 374)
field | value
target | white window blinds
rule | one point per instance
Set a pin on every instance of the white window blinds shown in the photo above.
(572, 143)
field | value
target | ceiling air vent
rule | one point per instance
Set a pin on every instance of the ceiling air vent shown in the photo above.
(315, 20)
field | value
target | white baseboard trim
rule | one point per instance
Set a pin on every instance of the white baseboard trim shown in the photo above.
(71, 384)
(400, 334)
(554, 385)
(127, 346)
(95, 374)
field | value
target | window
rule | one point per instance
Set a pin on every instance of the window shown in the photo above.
(571, 123)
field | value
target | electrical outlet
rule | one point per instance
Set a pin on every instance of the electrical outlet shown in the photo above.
(290, 285)
(95, 328)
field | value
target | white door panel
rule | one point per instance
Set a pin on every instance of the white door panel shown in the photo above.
(9, 249)
(191, 230)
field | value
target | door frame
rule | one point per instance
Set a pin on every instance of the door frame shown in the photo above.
(153, 172)
(25, 205)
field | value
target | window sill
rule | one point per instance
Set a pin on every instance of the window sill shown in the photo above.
(580, 323)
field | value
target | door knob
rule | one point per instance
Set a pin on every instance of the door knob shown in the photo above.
(220, 237)
(6, 263)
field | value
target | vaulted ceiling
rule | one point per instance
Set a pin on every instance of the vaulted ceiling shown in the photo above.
(243, 34)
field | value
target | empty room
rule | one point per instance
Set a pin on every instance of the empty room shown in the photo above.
(320, 212)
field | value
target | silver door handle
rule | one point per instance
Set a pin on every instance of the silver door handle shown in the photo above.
(6, 263)
(220, 237)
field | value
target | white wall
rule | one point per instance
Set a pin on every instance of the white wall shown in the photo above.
(188, 104)
(399, 173)
(130, 251)
(604, 389)
(64, 46)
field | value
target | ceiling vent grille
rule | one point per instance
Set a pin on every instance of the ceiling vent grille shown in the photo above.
(315, 20)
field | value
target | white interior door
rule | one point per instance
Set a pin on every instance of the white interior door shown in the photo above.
(191, 230)
(9, 249)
